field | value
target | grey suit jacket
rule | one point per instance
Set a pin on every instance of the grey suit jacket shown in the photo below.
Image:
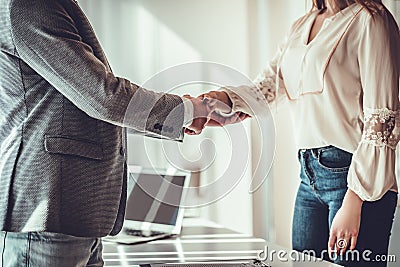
(62, 113)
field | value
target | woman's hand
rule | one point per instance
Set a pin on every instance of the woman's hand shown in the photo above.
(221, 106)
(346, 225)
(218, 120)
(218, 101)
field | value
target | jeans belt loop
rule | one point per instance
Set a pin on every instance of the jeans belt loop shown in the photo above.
(314, 152)
(319, 153)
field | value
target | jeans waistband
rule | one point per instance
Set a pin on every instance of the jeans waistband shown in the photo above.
(316, 152)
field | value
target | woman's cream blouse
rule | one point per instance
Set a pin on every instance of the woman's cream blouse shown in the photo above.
(342, 89)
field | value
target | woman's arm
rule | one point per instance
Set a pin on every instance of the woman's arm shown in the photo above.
(372, 171)
(346, 224)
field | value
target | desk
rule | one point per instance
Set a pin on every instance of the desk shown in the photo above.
(200, 240)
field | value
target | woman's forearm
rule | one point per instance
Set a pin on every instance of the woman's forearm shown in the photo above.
(353, 201)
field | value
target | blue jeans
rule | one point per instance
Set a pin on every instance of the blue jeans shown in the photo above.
(44, 249)
(320, 195)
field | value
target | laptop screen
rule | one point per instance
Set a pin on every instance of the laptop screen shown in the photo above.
(154, 198)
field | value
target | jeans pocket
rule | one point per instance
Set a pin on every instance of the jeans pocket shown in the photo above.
(334, 159)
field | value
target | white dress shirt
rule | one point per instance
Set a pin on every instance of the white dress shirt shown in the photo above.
(189, 112)
(342, 89)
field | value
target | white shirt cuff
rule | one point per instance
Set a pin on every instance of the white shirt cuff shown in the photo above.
(189, 111)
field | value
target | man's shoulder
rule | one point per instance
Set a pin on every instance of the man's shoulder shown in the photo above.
(28, 17)
(36, 11)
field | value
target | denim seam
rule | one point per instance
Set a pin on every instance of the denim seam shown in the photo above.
(324, 149)
(342, 169)
(308, 170)
(319, 198)
(313, 178)
(28, 248)
(4, 248)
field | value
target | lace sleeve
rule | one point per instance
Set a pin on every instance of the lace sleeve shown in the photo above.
(381, 127)
(265, 89)
(266, 86)
(372, 172)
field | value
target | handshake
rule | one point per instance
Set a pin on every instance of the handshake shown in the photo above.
(212, 109)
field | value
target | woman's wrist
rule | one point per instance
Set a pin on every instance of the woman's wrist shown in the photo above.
(352, 201)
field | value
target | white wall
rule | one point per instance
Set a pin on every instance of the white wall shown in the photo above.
(278, 194)
(143, 37)
(286, 169)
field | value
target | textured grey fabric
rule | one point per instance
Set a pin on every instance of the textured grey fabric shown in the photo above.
(62, 164)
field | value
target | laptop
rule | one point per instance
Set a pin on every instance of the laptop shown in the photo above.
(154, 208)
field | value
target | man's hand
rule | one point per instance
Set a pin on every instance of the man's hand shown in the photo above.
(201, 114)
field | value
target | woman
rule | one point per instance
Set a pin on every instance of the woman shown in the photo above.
(339, 70)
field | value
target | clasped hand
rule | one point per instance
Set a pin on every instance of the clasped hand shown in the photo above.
(212, 109)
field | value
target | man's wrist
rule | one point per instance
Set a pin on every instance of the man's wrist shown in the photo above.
(188, 113)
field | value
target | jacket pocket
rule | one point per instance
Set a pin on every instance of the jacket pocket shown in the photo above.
(66, 145)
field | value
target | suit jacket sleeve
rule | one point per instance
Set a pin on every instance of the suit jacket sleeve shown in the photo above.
(48, 37)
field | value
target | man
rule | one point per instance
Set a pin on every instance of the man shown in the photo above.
(62, 113)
